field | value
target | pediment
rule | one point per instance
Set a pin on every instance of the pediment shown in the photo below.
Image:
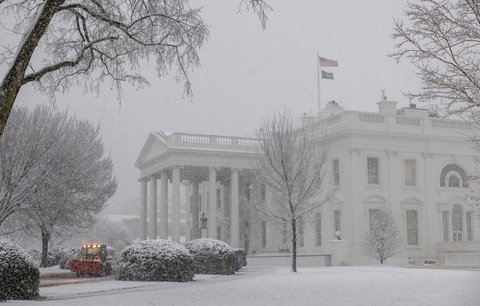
(411, 201)
(336, 199)
(375, 199)
(154, 146)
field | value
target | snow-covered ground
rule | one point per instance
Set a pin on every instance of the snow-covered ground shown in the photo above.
(362, 285)
(51, 271)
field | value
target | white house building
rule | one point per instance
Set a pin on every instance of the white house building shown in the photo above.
(405, 160)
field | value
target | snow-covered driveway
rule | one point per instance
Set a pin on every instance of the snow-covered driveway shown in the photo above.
(362, 285)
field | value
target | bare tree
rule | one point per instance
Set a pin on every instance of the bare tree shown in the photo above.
(114, 234)
(292, 162)
(22, 148)
(91, 41)
(382, 238)
(72, 180)
(442, 39)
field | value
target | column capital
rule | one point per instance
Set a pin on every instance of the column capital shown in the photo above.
(155, 175)
(143, 179)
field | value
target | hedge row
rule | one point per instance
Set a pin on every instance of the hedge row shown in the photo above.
(19, 274)
(165, 260)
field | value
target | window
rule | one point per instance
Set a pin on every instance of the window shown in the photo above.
(445, 225)
(318, 229)
(460, 179)
(301, 239)
(412, 227)
(457, 226)
(264, 234)
(336, 172)
(337, 228)
(284, 233)
(373, 170)
(410, 167)
(373, 217)
(468, 216)
(453, 181)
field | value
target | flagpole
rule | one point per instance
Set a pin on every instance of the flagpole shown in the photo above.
(318, 85)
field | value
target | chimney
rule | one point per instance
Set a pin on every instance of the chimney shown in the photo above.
(306, 119)
(387, 107)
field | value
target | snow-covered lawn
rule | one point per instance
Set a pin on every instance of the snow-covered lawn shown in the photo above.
(362, 285)
(51, 271)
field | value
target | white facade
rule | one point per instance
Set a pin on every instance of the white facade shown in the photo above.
(414, 165)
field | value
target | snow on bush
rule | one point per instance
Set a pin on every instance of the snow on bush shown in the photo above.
(36, 255)
(66, 260)
(19, 274)
(156, 260)
(54, 255)
(241, 258)
(212, 256)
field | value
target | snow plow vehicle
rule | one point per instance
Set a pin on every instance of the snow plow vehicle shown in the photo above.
(93, 261)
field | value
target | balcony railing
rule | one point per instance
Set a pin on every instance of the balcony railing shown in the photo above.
(220, 141)
(371, 118)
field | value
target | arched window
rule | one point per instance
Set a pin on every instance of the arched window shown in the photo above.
(453, 181)
(457, 224)
(453, 176)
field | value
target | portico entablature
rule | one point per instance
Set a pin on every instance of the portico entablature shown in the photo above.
(180, 149)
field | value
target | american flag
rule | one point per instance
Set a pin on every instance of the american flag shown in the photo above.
(325, 62)
(327, 75)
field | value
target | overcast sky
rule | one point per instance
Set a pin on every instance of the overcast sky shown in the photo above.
(247, 73)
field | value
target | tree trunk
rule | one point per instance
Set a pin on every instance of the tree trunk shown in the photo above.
(45, 240)
(14, 77)
(294, 245)
(381, 261)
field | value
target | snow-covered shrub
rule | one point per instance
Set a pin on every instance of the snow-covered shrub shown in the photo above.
(36, 255)
(241, 258)
(54, 255)
(156, 260)
(19, 274)
(65, 261)
(212, 256)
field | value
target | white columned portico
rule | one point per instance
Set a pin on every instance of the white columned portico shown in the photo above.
(164, 205)
(176, 204)
(234, 211)
(212, 205)
(153, 207)
(143, 208)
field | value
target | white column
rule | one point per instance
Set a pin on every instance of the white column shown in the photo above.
(188, 208)
(153, 207)
(212, 207)
(164, 205)
(195, 211)
(143, 209)
(176, 204)
(273, 225)
(234, 211)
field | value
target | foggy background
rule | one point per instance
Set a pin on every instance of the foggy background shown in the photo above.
(245, 75)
